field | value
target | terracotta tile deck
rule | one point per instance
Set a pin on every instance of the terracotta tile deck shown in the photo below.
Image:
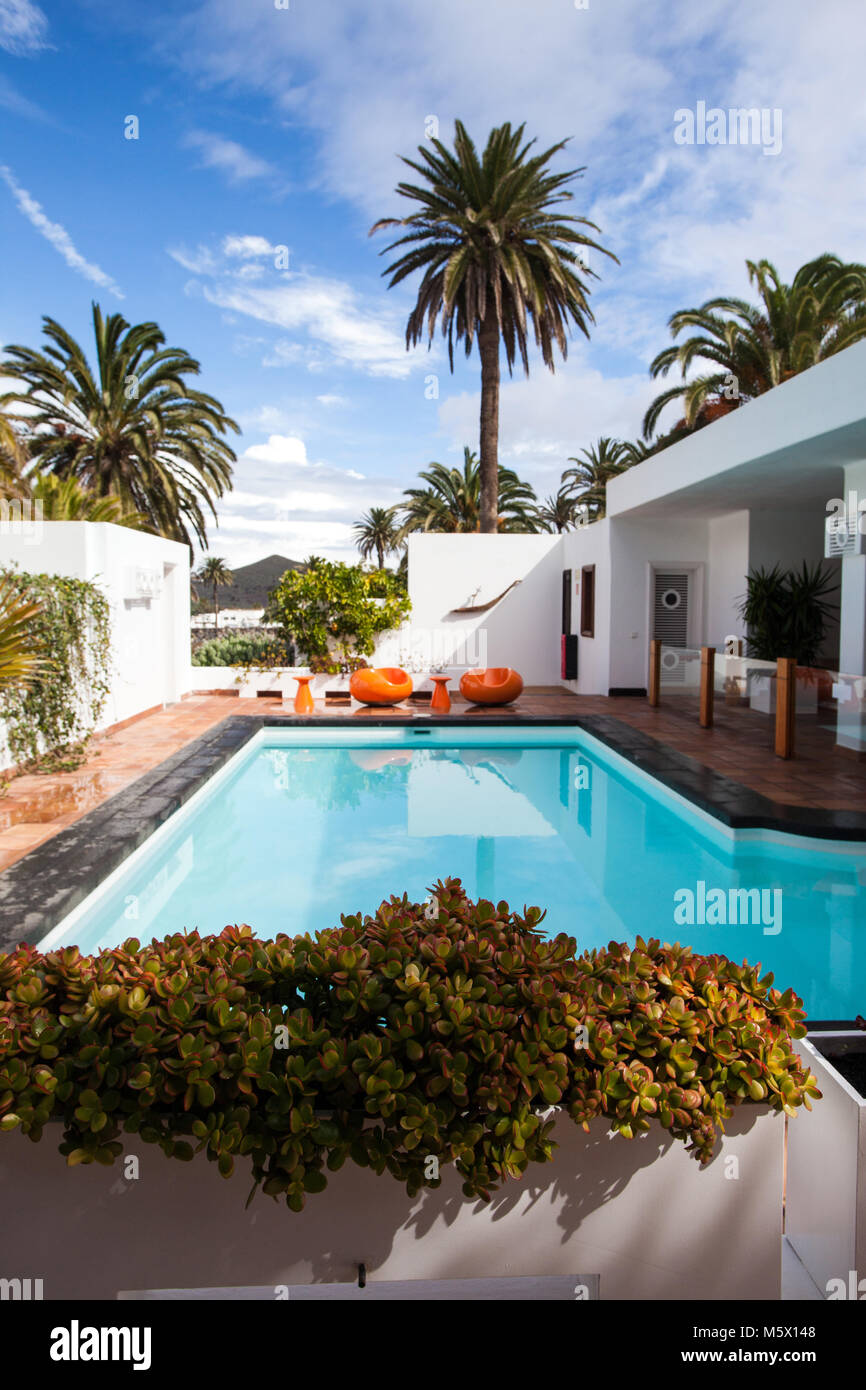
(36, 807)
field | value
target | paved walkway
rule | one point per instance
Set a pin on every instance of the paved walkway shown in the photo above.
(740, 747)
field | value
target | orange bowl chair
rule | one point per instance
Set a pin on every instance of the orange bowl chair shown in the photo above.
(386, 685)
(497, 685)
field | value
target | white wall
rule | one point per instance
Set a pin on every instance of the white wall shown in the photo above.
(522, 631)
(150, 635)
(727, 567)
(635, 547)
(590, 545)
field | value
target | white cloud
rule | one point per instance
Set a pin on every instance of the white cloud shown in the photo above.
(248, 246)
(57, 235)
(23, 27)
(329, 401)
(550, 417)
(237, 163)
(285, 502)
(12, 100)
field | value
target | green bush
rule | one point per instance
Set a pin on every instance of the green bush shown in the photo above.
(335, 612)
(437, 1031)
(238, 650)
(50, 721)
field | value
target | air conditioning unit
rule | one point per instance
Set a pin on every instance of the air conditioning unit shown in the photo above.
(843, 537)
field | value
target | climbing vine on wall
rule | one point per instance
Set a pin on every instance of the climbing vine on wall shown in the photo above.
(49, 724)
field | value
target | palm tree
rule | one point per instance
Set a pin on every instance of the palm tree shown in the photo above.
(13, 457)
(601, 462)
(64, 499)
(495, 251)
(376, 532)
(558, 512)
(754, 347)
(216, 573)
(451, 501)
(20, 665)
(134, 430)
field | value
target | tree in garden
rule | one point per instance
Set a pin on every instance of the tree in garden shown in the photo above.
(559, 512)
(499, 258)
(334, 612)
(752, 347)
(132, 427)
(452, 501)
(215, 573)
(376, 534)
(589, 478)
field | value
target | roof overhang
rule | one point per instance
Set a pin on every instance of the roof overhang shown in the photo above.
(787, 448)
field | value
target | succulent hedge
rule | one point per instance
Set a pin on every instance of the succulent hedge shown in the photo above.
(441, 1031)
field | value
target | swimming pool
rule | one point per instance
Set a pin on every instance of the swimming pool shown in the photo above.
(305, 824)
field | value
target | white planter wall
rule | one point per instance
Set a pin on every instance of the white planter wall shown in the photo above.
(825, 1217)
(641, 1214)
(146, 581)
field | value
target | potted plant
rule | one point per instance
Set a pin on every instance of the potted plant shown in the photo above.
(447, 1045)
(786, 613)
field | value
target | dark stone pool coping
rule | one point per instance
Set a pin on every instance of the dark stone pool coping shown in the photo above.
(43, 886)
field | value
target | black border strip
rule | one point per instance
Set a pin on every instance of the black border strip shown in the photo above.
(42, 887)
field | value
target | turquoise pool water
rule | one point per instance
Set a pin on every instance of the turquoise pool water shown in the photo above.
(304, 825)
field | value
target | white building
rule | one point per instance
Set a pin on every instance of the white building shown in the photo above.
(682, 531)
(146, 581)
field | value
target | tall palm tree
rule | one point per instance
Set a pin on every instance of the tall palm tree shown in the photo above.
(135, 429)
(495, 252)
(589, 478)
(214, 572)
(451, 501)
(376, 532)
(558, 512)
(754, 347)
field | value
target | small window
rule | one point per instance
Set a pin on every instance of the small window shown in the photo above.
(587, 601)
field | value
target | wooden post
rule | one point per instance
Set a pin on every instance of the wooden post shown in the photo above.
(655, 670)
(708, 661)
(786, 703)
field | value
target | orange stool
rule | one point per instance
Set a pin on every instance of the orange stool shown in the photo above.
(440, 699)
(497, 685)
(386, 685)
(304, 703)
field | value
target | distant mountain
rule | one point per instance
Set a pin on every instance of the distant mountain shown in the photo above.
(252, 584)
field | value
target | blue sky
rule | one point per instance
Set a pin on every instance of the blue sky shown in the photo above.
(262, 128)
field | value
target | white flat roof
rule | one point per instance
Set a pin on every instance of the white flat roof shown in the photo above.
(787, 447)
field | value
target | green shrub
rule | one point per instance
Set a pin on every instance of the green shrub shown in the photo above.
(50, 721)
(427, 1032)
(335, 612)
(238, 650)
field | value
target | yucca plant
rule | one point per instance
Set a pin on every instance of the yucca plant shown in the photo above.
(20, 664)
(786, 612)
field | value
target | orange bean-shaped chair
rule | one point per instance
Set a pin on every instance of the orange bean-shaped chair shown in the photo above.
(384, 685)
(497, 685)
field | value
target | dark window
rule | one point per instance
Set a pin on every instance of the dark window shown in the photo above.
(587, 601)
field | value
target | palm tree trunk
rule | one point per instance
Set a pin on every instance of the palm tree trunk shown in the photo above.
(216, 612)
(380, 551)
(488, 347)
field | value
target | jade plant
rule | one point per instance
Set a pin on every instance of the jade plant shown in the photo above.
(428, 1034)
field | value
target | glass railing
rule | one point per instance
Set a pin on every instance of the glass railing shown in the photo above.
(829, 706)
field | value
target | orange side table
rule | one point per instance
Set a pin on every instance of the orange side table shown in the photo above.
(440, 699)
(304, 703)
